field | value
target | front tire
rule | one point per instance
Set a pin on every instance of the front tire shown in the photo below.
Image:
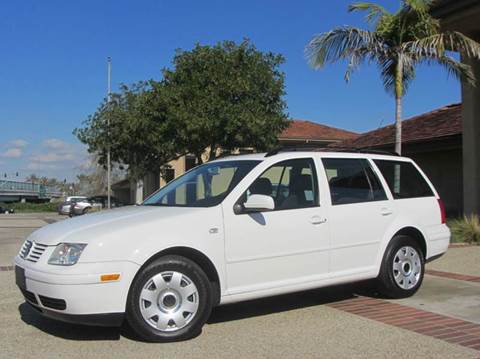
(403, 267)
(170, 300)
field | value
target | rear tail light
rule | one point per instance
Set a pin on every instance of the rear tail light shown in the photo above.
(442, 211)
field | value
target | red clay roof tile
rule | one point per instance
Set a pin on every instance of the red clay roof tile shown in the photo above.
(445, 121)
(306, 130)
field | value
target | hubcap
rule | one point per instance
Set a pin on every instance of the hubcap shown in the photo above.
(169, 301)
(407, 267)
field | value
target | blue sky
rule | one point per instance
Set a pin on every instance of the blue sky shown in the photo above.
(53, 66)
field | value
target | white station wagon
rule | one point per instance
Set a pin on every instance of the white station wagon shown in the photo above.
(238, 228)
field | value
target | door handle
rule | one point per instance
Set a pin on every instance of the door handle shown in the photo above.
(317, 220)
(386, 211)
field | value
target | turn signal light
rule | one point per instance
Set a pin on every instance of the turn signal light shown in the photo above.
(109, 277)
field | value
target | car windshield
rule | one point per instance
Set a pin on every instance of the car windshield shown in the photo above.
(204, 186)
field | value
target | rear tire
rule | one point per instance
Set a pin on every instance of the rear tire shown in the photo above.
(403, 267)
(170, 300)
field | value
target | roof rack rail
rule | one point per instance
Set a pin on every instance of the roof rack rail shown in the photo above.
(329, 149)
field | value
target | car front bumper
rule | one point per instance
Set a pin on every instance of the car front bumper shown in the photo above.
(79, 297)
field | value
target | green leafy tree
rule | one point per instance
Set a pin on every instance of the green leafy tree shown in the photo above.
(226, 96)
(397, 44)
(135, 126)
(221, 97)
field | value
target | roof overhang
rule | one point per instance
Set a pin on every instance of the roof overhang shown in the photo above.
(459, 15)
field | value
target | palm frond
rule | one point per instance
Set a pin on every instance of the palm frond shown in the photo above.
(436, 45)
(374, 11)
(361, 55)
(387, 66)
(339, 44)
(454, 68)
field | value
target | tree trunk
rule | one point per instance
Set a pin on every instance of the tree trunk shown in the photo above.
(398, 125)
(398, 105)
(139, 191)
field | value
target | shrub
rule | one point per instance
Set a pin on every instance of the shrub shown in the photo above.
(31, 207)
(466, 229)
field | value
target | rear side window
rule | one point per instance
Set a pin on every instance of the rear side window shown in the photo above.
(352, 181)
(403, 179)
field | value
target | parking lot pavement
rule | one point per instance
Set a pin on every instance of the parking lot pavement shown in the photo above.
(462, 260)
(14, 228)
(328, 323)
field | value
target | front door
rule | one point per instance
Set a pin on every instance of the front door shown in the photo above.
(286, 246)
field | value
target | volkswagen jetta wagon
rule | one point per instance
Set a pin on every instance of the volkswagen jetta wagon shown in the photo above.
(234, 229)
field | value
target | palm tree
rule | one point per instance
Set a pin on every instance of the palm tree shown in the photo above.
(398, 43)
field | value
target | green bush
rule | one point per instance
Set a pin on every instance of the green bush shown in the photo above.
(466, 229)
(31, 207)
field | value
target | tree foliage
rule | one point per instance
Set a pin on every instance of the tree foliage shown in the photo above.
(135, 126)
(226, 96)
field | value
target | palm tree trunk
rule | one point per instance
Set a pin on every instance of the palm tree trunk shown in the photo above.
(398, 125)
(398, 105)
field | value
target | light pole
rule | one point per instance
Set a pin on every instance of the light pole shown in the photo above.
(109, 70)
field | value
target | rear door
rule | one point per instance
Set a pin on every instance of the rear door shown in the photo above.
(359, 215)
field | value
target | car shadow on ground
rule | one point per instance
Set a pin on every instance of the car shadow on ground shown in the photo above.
(63, 330)
(226, 313)
(291, 301)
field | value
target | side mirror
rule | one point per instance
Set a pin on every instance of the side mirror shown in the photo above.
(259, 203)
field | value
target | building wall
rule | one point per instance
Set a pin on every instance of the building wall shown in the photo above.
(471, 142)
(463, 16)
(444, 169)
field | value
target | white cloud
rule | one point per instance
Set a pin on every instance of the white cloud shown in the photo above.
(56, 144)
(54, 153)
(53, 157)
(12, 153)
(18, 143)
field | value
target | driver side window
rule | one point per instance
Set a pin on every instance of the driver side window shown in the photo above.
(292, 184)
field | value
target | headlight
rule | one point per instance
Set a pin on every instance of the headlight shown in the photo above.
(66, 254)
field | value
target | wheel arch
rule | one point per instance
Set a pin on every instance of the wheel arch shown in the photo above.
(199, 258)
(415, 234)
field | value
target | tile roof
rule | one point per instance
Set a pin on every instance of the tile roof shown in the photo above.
(307, 130)
(445, 121)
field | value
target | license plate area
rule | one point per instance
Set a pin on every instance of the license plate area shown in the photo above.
(20, 280)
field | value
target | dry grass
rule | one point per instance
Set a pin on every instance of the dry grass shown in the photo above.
(466, 229)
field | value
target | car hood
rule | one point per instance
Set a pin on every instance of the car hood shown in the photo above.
(84, 229)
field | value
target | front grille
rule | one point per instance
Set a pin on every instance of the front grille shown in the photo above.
(32, 251)
(29, 296)
(53, 303)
